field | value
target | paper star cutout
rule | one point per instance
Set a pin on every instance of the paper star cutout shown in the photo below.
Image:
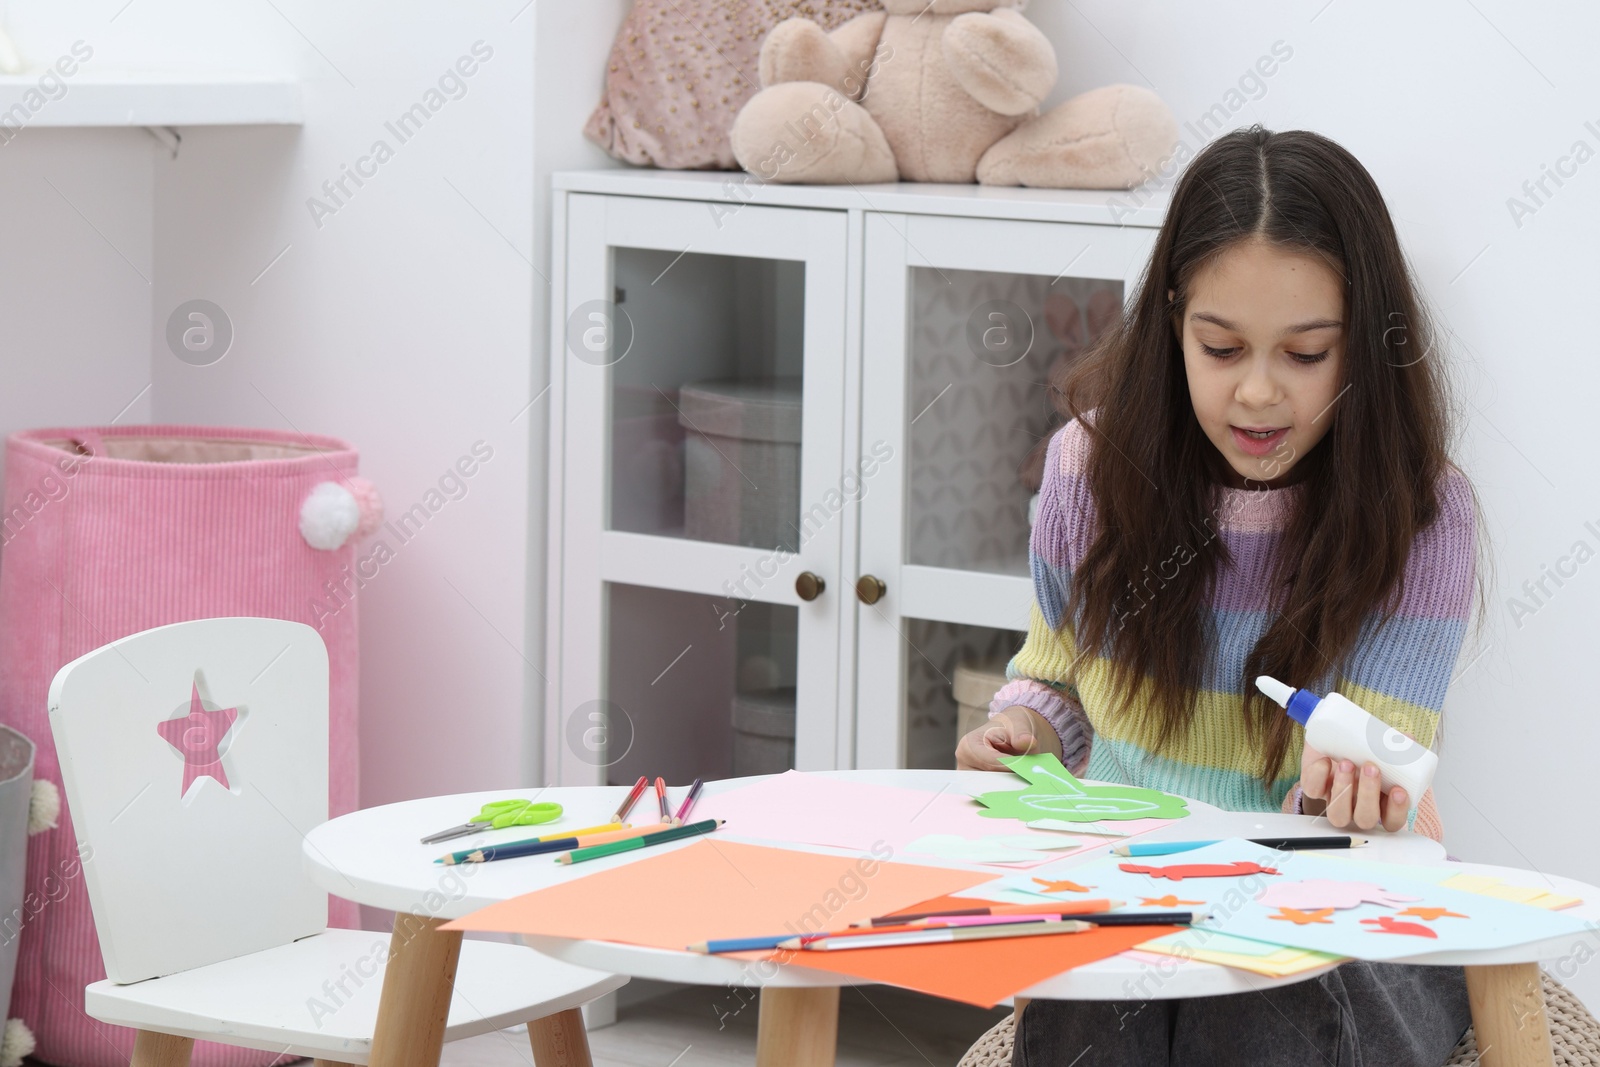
(1062, 887)
(1388, 924)
(1304, 918)
(1431, 914)
(1168, 901)
(198, 736)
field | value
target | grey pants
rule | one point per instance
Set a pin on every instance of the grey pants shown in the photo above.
(1360, 1014)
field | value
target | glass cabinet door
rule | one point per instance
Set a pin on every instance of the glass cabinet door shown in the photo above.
(969, 324)
(702, 360)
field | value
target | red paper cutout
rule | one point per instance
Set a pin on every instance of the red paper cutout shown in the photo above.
(1431, 914)
(1304, 918)
(1388, 924)
(1062, 887)
(1179, 872)
(1168, 901)
(198, 736)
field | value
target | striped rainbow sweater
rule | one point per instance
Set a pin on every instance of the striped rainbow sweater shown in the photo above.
(1399, 670)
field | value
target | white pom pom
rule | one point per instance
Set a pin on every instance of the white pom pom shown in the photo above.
(329, 516)
(44, 806)
(16, 1042)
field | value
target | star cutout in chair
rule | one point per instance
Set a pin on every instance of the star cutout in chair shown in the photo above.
(1168, 901)
(198, 736)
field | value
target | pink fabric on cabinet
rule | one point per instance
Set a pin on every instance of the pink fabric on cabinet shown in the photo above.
(99, 547)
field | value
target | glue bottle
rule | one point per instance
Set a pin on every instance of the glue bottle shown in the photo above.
(1342, 729)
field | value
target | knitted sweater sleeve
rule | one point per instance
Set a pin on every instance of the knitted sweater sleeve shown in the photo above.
(1037, 674)
(1401, 666)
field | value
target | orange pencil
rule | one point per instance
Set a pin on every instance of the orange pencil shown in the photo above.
(661, 799)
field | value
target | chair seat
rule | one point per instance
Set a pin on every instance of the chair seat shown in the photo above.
(319, 996)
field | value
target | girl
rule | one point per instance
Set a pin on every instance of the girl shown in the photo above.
(1254, 481)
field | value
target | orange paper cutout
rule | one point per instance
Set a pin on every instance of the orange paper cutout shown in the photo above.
(717, 889)
(1431, 913)
(1388, 924)
(1304, 918)
(1168, 901)
(1062, 887)
(975, 972)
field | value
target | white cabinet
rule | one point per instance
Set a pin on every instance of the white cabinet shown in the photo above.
(787, 427)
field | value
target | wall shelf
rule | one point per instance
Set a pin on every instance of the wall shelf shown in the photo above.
(153, 98)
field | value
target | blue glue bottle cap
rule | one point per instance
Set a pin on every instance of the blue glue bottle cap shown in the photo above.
(1299, 703)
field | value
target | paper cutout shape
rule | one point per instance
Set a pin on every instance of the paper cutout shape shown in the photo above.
(1258, 957)
(1431, 914)
(1321, 893)
(1178, 872)
(1489, 886)
(1054, 793)
(1388, 924)
(1168, 901)
(799, 807)
(1493, 923)
(198, 738)
(1062, 886)
(976, 850)
(1302, 918)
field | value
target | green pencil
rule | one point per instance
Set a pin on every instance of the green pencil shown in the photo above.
(611, 848)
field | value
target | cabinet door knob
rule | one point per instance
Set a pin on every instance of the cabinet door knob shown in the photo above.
(809, 586)
(869, 589)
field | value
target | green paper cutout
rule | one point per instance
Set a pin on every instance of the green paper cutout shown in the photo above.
(1053, 793)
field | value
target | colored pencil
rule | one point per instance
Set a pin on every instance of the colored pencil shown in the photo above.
(688, 801)
(939, 935)
(748, 944)
(539, 845)
(1284, 844)
(661, 799)
(1068, 907)
(628, 802)
(660, 837)
(1121, 918)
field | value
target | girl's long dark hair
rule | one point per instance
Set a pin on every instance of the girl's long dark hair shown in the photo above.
(1369, 485)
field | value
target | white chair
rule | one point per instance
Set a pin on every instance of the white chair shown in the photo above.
(191, 834)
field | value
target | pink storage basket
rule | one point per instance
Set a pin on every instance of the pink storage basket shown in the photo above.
(115, 530)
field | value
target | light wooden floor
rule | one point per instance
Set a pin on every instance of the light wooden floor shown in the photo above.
(878, 1027)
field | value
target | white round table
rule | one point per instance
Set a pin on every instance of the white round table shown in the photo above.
(373, 857)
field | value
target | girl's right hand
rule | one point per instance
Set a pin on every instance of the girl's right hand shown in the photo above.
(1016, 731)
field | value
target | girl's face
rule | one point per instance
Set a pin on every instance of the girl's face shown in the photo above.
(1262, 347)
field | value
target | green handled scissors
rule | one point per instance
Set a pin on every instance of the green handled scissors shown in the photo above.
(498, 814)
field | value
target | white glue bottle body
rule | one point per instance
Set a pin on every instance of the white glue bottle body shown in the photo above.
(1342, 729)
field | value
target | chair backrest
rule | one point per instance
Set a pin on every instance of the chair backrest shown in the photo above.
(195, 760)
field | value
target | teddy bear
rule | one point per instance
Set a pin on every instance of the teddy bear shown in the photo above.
(939, 91)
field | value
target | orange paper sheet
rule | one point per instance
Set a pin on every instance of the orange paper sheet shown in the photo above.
(975, 972)
(719, 889)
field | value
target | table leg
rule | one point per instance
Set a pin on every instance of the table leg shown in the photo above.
(1508, 1015)
(151, 1049)
(560, 1040)
(798, 1026)
(417, 983)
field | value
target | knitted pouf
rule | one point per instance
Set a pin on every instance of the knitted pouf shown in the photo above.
(1574, 1035)
(119, 529)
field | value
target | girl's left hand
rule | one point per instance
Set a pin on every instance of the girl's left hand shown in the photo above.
(1349, 795)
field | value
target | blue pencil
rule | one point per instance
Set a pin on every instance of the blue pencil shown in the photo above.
(740, 944)
(1284, 844)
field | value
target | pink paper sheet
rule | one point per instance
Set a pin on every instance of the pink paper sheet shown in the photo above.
(819, 810)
